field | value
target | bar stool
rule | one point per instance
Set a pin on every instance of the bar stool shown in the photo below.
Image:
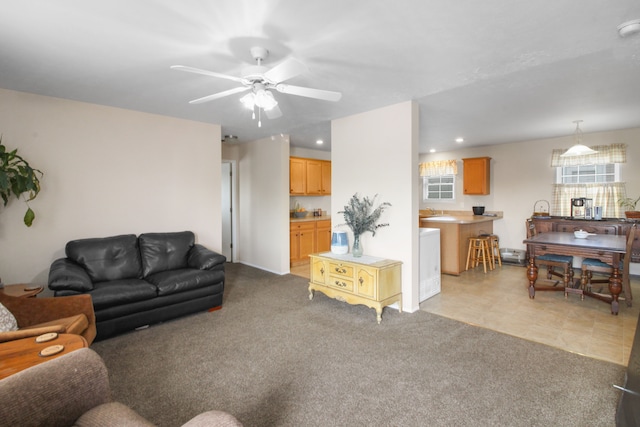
(494, 248)
(479, 252)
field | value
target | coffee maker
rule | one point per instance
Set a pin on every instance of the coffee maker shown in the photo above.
(581, 208)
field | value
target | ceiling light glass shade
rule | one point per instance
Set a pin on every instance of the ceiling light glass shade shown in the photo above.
(578, 148)
(248, 101)
(265, 100)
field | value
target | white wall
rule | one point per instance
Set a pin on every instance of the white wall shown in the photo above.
(107, 171)
(263, 177)
(372, 153)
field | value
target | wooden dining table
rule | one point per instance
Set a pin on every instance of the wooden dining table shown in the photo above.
(605, 247)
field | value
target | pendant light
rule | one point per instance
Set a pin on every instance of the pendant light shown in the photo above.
(578, 149)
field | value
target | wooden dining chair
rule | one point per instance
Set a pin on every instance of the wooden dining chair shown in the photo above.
(553, 261)
(594, 265)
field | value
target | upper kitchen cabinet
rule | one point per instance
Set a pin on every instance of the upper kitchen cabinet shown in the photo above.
(297, 176)
(476, 172)
(309, 177)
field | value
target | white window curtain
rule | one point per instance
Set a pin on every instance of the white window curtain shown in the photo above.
(605, 195)
(439, 168)
(614, 153)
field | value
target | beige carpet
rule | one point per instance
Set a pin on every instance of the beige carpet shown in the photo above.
(271, 357)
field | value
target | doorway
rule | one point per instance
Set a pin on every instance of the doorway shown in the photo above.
(227, 179)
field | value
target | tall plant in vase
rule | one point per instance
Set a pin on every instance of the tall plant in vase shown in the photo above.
(361, 216)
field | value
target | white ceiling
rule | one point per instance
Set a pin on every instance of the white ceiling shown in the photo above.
(492, 71)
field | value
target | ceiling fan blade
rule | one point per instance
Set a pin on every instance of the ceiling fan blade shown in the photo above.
(206, 73)
(326, 95)
(287, 69)
(219, 95)
(273, 113)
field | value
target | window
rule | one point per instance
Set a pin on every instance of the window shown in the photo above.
(438, 180)
(583, 174)
(441, 187)
(594, 176)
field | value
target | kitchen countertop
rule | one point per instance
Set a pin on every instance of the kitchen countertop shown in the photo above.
(311, 218)
(459, 219)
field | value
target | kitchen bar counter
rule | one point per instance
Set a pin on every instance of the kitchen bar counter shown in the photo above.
(455, 230)
(459, 219)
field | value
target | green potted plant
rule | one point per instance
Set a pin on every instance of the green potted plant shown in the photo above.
(18, 179)
(629, 205)
(361, 217)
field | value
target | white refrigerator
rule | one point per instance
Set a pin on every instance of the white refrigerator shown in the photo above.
(429, 253)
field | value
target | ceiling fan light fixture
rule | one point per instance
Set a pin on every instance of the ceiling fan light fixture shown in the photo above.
(578, 149)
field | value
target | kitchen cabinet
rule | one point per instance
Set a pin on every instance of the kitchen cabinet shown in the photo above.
(309, 177)
(476, 176)
(302, 240)
(297, 176)
(307, 237)
(323, 236)
(376, 285)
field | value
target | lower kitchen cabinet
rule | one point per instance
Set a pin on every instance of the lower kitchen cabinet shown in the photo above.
(302, 240)
(375, 285)
(307, 237)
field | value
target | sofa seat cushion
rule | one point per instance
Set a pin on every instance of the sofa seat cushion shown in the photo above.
(165, 251)
(174, 281)
(107, 258)
(76, 324)
(117, 292)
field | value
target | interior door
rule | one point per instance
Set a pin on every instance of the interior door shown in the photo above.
(227, 210)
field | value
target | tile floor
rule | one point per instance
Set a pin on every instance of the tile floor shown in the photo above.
(499, 300)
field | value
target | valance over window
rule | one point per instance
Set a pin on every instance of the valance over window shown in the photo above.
(439, 168)
(606, 154)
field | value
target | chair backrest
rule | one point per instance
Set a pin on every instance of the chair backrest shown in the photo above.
(627, 256)
(531, 228)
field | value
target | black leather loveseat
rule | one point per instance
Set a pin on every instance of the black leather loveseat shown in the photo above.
(137, 281)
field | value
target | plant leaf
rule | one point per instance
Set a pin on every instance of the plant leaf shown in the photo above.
(29, 217)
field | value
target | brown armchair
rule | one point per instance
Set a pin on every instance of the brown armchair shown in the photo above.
(64, 315)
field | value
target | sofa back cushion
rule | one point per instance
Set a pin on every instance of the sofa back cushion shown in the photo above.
(165, 251)
(107, 258)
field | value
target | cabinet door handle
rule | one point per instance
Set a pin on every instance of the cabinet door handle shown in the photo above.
(322, 270)
(361, 280)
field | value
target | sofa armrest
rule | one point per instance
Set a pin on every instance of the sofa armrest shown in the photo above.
(65, 274)
(31, 332)
(33, 311)
(205, 259)
(56, 392)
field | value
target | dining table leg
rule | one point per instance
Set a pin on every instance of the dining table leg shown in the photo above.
(532, 275)
(615, 287)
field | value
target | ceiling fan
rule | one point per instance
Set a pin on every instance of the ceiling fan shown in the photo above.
(261, 80)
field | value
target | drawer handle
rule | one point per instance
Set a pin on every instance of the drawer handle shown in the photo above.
(341, 270)
(341, 284)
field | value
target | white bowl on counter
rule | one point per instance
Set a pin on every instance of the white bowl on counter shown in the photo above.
(581, 234)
